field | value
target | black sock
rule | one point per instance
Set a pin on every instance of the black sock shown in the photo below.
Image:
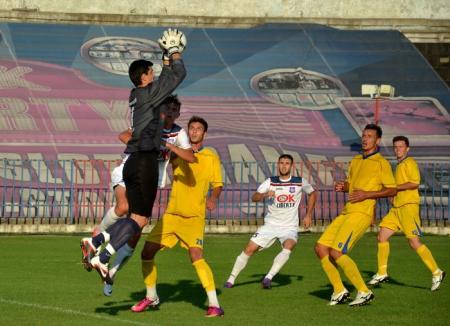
(122, 231)
(104, 256)
(98, 240)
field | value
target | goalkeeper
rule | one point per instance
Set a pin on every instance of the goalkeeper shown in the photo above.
(141, 169)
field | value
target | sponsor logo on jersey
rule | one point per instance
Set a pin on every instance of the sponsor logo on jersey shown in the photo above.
(285, 201)
(283, 198)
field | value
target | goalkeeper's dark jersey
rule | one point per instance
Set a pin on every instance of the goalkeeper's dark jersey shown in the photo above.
(145, 108)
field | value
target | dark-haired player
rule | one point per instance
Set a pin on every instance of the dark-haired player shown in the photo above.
(369, 177)
(404, 215)
(281, 222)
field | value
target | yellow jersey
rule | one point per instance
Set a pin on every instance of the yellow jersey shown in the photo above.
(407, 171)
(191, 182)
(370, 173)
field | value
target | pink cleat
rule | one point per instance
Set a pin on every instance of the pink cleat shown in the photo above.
(214, 312)
(144, 304)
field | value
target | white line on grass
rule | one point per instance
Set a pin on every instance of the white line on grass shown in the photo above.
(74, 312)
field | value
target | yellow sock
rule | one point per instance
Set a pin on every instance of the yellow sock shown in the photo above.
(383, 255)
(204, 274)
(351, 271)
(427, 258)
(332, 274)
(149, 273)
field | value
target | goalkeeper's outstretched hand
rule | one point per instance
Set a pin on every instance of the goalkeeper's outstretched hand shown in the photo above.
(172, 41)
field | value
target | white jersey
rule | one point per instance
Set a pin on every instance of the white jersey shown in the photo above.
(176, 136)
(283, 208)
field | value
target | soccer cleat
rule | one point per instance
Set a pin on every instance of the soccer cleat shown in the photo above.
(214, 312)
(101, 268)
(362, 298)
(88, 251)
(228, 285)
(266, 283)
(107, 289)
(339, 298)
(108, 286)
(144, 304)
(378, 279)
(437, 280)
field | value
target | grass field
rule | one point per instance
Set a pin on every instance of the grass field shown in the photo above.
(43, 283)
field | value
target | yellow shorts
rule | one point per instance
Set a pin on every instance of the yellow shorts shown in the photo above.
(345, 231)
(405, 218)
(171, 228)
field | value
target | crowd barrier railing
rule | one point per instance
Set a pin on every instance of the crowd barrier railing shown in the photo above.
(79, 192)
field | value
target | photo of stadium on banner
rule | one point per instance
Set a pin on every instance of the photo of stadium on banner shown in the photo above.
(254, 163)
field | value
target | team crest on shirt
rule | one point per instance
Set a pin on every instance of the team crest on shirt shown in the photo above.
(291, 189)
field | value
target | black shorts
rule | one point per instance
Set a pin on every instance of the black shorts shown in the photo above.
(140, 174)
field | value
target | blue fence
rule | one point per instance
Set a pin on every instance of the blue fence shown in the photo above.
(79, 192)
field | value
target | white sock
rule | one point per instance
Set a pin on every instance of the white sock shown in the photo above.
(151, 293)
(122, 257)
(110, 249)
(109, 219)
(278, 263)
(239, 265)
(212, 298)
(107, 236)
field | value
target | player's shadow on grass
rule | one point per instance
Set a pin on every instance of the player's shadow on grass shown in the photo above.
(278, 280)
(184, 291)
(326, 291)
(367, 275)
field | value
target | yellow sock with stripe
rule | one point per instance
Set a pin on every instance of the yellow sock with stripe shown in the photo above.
(333, 274)
(207, 279)
(383, 256)
(427, 258)
(150, 274)
(351, 271)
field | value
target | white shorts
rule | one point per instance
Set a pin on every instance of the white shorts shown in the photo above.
(117, 174)
(266, 235)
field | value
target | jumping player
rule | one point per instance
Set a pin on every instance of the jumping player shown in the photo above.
(141, 168)
(175, 141)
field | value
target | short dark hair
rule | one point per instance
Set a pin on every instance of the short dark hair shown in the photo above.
(375, 127)
(172, 99)
(200, 120)
(136, 69)
(288, 156)
(401, 138)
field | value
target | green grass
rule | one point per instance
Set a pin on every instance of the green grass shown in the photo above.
(43, 283)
